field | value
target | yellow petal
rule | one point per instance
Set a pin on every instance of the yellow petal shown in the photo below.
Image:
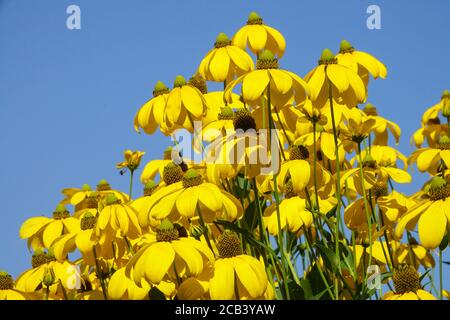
(159, 259)
(190, 256)
(32, 226)
(427, 158)
(221, 286)
(432, 225)
(193, 100)
(424, 295)
(219, 64)
(187, 202)
(257, 38)
(51, 232)
(254, 84)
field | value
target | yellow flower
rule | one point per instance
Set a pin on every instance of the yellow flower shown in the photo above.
(442, 106)
(381, 126)
(122, 287)
(221, 126)
(324, 143)
(236, 275)
(185, 104)
(258, 36)
(431, 130)
(225, 61)
(407, 285)
(42, 231)
(170, 257)
(117, 217)
(243, 150)
(382, 160)
(108, 245)
(346, 86)
(356, 129)
(215, 103)
(392, 205)
(420, 255)
(85, 199)
(283, 84)
(132, 160)
(151, 114)
(188, 197)
(295, 214)
(432, 214)
(44, 264)
(7, 291)
(360, 62)
(431, 159)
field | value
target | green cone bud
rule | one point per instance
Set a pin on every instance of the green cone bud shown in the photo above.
(345, 47)
(86, 187)
(111, 199)
(222, 40)
(254, 18)
(179, 81)
(327, 57)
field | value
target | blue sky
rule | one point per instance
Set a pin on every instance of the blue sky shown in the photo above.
(68, 97)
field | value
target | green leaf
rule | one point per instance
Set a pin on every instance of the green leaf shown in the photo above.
(329, 256)
(156, 294)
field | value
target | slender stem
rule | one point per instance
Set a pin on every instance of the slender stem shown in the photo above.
(99, 274)
(316, 188)
(282, 126)
(131, 183)
(366, 209)
(338, 182)
(205, 229)
(63, 290)
(263, 235)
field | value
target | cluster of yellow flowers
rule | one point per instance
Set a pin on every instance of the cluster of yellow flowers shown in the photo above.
(323, 223)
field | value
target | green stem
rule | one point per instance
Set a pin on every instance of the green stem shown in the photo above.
(131, 183)
(99, 274)
(205, 229)
(366, 209)
(338, 182)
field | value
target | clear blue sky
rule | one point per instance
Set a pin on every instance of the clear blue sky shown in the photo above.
(68, 97)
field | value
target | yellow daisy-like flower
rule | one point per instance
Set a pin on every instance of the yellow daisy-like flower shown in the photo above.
(258, 36)
(295, 213)
(432, 214)
(383, 161)
(215, 103)
(282, 84)
(7, 291)
(185, 104)
(117, 217)
(132, 160)
(225, 61)
(108, 245)
(151, 114)
(360, 62)
(431, 159)
(407, 285)
(236, 275)
(188, 197)
(420, 255)
(121, 287)
(42, 231)
(356, 129)
(169, 257)
(442, 106)
(431, 131)
(324, 142)
(345, 85)
(382, 126)
(46, 269)
(86, 198)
